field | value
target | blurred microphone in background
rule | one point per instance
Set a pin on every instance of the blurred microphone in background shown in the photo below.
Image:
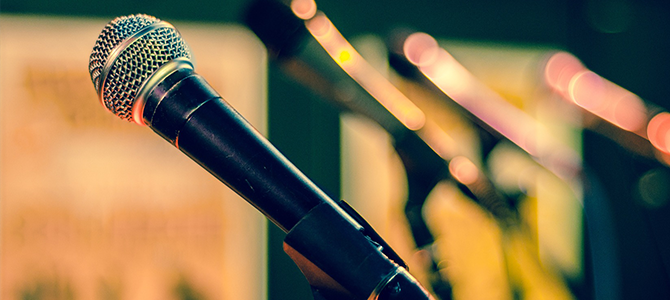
(435, 76)
(418, 57)
(328, 64)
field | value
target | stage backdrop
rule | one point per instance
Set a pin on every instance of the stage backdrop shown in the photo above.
(94, 207)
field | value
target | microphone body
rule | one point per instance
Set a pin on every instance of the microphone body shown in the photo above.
(423, 156)
(299, 55)
(187, 112)
(340, 254)
(202, 125)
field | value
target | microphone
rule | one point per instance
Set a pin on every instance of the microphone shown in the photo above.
(141, 69)
(327, 64)
(417, 57)
(347, 82)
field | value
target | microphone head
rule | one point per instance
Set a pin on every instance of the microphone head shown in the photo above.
(127, 54)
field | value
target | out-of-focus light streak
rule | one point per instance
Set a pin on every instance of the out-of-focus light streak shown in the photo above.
(658, 132)
(463, 170)
(607, 100)
(404, 110)
(358, 69)
(462, 87)
(421, 49)
(559, 70)
(438, 140)
(566, 75)
(304, 9)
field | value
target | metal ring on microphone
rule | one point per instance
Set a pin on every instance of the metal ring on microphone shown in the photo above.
(152, 82)
(382, 284)
(116, 53)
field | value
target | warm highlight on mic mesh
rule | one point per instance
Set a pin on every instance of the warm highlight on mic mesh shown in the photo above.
(307, 149)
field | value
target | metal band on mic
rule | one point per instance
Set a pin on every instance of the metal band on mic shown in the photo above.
(148, 79)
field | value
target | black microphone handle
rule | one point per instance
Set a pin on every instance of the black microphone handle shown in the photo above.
(188, 113)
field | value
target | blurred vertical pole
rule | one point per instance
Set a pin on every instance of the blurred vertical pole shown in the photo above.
(306, 131)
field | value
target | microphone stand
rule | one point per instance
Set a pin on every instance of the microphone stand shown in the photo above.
(339, 253)
(328, 251)
(423, 171)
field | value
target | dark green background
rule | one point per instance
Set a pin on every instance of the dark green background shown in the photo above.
(635, 56)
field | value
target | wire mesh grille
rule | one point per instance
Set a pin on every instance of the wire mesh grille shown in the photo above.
(135, 63)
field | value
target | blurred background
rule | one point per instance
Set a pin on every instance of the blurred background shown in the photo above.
(97, 208)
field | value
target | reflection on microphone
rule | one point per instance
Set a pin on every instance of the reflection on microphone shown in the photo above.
(341, 256)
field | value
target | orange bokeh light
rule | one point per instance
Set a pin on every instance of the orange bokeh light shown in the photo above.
(421, 49)
(450, 76)
(320, 27)
(560, 68)
(658, 132)
(463, 170)
(573, 81)
(587, 90)
(339, 49)
(304, 9)
(455, 81)
(607, 100)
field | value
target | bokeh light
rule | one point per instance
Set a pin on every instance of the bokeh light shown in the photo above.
(463, 170)
(658, 132)
(341, 51)
(304, 9)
